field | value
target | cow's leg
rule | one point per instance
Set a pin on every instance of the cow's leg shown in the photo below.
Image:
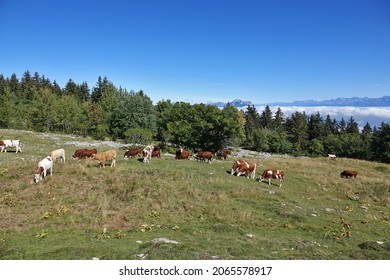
(269, 181)
(280, 182)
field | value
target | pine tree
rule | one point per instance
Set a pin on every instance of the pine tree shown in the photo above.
(279, 120)
(266, 118)
(296, 128)
(352, 127)
(315, 127)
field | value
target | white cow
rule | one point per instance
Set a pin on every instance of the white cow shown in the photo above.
(60, 153)
(4, 144)
(44, 166)
(331, 156)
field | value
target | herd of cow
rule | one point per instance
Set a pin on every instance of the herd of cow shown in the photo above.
(239, 168)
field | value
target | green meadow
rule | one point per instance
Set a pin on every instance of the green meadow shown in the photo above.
(188, 210)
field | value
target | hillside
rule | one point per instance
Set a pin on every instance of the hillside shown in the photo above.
(171, 209)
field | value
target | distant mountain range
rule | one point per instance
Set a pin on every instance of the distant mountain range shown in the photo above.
(352, 101)
(234, 103)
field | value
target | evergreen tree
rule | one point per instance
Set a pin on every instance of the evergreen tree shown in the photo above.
(27, 86)
(71, 89)
(252, 124)
(56, 89)
(381, 143)
(279, 120)
(315, 127)
(352, 127)
(266, 118)
(296, 128)
(366, 136)
(330, 126)
(14, 88)
(83, 92)
(342, 127)
(100, 88)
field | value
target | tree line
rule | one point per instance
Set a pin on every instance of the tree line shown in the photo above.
(106, 111)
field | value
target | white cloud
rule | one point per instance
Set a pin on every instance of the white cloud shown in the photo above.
(373, 115)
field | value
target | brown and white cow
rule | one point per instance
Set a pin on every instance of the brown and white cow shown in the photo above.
(236, 166)
(4, 144)
(182, 154)
(272, 173)
(132, 153)
(147, 153)
(44, 166)
(60, 153)
(247, 168)
(104, 156)
(348, 174)
(203, 156)
(84, 153)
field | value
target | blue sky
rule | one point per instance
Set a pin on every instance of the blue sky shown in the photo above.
(203, 51)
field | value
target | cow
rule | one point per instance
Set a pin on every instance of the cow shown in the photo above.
(60, 153)
(147, 153)
(272, 173)
(348, 174)
(44, 166)
(182, 154)
(247, 168)
(84, 153)
(132, 153)
(4, 144)
(236, 166)
(104, 156)
(203, 156)
(156, 154)
(223, 154)
(331, 156)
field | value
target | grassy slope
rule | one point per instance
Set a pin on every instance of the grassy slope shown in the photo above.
(315, 215)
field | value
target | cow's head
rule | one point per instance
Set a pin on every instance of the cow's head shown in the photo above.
(38, 175)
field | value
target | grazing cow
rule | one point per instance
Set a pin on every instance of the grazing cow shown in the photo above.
(132, 153)
(147, 153)
(348, 174)
(84, 153)
(272, 173)
(60, 153)
(44, 166)
(331, 156)
(246, 168)
(236, 166)
(104, 156)
(203, 156)
(182, 154)
(11, 143)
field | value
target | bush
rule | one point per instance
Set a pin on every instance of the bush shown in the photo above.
(138, 136)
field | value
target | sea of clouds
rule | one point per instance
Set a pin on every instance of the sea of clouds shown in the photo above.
(373, 115)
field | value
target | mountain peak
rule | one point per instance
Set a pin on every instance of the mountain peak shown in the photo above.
(235, 103)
